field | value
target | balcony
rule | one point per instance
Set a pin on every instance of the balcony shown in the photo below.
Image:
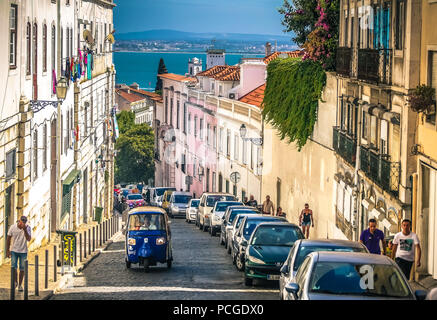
(344, 60)
(344, 145)
(374, 65)
(380, 170)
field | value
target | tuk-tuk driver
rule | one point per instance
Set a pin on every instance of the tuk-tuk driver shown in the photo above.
(153, 224)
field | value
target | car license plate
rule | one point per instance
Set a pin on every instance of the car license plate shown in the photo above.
(273, 277)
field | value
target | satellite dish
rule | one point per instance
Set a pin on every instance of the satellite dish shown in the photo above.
(88, 37)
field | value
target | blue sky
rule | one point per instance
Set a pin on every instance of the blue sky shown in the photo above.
(224, 16)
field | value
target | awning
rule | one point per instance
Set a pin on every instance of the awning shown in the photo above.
(69, 182)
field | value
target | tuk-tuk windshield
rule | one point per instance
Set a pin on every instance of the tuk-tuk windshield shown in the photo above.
(146, 222)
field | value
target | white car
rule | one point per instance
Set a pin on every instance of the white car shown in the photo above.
(215, 220)
(192, 211)
(207, 202)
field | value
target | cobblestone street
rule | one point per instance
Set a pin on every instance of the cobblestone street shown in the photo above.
(201, 270)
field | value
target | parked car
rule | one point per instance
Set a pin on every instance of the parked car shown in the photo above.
(304, 247)
(134, 200)
(192, 211)
(267, 250)
(179, 203)
(242, 236)
(157, 192)
(214, 221)
(207, 202)
(228, 217)
(166, 200)
(235, 219)
(339, 276)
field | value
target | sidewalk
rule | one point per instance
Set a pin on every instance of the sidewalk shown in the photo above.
(113, 226)
(426, 283)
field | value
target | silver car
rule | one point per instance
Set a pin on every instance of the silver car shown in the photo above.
(304, 247)
(179, 203)
(350, 276)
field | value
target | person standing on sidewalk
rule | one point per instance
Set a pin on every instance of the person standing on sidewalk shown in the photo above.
(20, 234)
(405, 245)
(252, 202)
(306, 220)
(268, 207)
(371, 238)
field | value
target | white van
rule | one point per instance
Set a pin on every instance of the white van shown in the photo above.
(207, 202)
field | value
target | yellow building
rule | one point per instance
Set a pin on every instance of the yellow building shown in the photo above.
(425, 181)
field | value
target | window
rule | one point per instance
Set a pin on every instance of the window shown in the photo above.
(35, 48)
(195, 126)
(166, 109)
(432, 81)
(177, 114)
(221, 140)
(10, 163)
(365, 121)
(189, 124)
(215, 138)
(201, 129)
(44, 159)
(236, 151)
(13, 36)
(228, 142)
(53, 48)
(208, 136)
(35, 155)
(44, 48)
(244, 151)
(227, 186)
(185, 118)
(400, 24)
(171, 111)
(29, 48)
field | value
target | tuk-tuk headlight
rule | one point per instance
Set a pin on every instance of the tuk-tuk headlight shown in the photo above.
(160, 241)
(131, 241)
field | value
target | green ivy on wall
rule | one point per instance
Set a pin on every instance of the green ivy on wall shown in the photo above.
(294, 88)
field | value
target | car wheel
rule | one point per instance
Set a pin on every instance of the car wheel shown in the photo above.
(221, 239)
(239, 263)
(168, 264)
(146, 265)
(225, 243)
(213, 232)
(248, 281)
(128, 264)
(204, 228)
(233, 257)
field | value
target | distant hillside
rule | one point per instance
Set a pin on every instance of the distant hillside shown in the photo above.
(172, 35)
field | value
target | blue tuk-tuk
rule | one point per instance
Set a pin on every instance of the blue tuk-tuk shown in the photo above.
(148, 237)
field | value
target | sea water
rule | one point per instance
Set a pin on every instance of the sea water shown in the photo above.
(142, 67)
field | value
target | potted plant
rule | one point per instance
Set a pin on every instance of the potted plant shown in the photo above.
(423, 99)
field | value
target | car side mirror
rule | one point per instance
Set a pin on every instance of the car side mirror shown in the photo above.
(420, 294)
(284, 269)
(292, 288)
(244, 243)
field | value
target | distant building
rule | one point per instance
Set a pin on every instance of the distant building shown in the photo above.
(215, 57)
(194, 67)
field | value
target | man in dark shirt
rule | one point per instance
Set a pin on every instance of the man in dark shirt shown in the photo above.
(252, 202)
(371, 238)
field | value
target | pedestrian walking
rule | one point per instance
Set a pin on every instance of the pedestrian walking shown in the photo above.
(252, 202)
(405, 245)
(372, 237)
(246, 201)
(268, 207)
(306, 220)
(19, 234)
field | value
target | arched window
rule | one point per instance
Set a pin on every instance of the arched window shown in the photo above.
(28, 49)
(44, 158)
(53, 48)
(44, 46)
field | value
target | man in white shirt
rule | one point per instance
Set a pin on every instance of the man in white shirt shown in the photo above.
(405, 244)
(19, 234)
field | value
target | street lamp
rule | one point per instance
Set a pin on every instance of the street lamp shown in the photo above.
(61, 93)
(255, 141)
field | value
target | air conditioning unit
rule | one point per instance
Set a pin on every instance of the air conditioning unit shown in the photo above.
(232, 96)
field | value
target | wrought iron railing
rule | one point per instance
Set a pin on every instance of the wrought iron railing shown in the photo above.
(374, 65)
(380, 170)
(344, 60)
(344, 145)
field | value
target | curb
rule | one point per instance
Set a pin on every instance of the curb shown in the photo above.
(64, 279)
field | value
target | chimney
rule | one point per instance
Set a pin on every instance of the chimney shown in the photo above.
(268, 49)
(135, 86)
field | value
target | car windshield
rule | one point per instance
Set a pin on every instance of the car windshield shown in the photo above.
(342, 278)
(250, 226)
(160, 192)
(238, 222)
(146, 222)
(195, 203)
(182, 199)
(134, 197)
(211, 200)
(306, 250)
(276, 236)
(221, 206)
(234, 213)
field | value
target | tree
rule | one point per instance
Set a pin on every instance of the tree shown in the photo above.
(161, 70)
(125, 120)
(134, 161)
